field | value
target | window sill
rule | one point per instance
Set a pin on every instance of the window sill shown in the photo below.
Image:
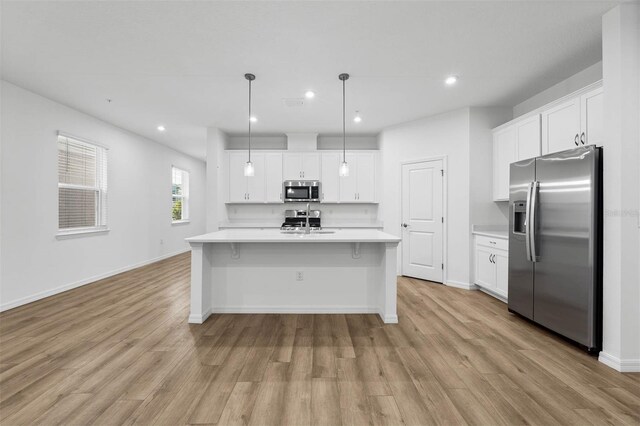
(180, 222)
(62, 235)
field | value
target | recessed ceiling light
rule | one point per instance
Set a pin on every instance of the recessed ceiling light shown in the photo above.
(253, 119)
(451, 80)
(357, 118)
(161, 128)
(309, 94)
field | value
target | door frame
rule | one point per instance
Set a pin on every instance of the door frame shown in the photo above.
(445, 213)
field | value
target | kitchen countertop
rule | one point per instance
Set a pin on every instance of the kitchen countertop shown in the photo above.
(275, 236)
(495, 231)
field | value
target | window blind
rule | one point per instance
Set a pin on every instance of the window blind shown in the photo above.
(82, 185)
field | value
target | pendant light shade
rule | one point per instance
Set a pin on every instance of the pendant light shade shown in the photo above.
(249, 170)
(344, 167)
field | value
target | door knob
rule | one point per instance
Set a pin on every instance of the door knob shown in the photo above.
(404, 225)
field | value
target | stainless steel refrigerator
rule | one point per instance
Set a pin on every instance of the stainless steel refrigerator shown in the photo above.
(555, 243)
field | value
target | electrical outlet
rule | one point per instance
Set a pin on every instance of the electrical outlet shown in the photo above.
(161, 242)
(299, 276)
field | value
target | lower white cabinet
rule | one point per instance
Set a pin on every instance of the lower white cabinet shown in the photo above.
(491, 259)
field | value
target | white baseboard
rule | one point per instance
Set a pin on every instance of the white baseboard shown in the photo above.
(199, 319)
(389, 319)
(621, 365)
(67, 287)
(458, 284)
(493, 294)
(309, 309)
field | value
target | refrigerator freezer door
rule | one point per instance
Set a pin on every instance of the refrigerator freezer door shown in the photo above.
(521, 175)
(564, 233)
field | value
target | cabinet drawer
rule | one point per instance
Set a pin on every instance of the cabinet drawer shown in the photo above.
(496, 243)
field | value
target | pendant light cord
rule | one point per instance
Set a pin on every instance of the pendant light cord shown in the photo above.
(249, 121)
(344, 132)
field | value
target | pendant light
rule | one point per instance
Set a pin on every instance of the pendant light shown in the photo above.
(344, 167)
(248, 167)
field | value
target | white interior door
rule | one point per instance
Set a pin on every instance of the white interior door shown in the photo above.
(422, 220)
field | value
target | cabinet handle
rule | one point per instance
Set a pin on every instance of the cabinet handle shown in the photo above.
(575, 140)
(582, 138)
(493, 258)
(490, 258)
(492, 242)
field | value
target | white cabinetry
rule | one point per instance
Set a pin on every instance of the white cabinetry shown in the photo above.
(329, 178)
(491, 259)
(592, 117)
(360, 185)
(299, 165)
(516, 141)
(575, 122)
(273, 177)
(266, 184)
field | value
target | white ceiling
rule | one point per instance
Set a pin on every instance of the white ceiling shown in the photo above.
(181, 64)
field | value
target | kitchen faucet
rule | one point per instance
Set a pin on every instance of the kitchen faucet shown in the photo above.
(307, 228)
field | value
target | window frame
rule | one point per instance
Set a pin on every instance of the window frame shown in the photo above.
(184, 197)
(100, 188)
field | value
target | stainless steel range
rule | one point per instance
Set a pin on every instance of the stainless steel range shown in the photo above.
(296, 220)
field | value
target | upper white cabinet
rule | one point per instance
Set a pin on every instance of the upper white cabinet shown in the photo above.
(273, 177)
(298, 165)
(517, 141)
(561, 126)
(592, 117)
(329, 178)
(266, 184)
(274, 167)
(359, 186)
(575, 122)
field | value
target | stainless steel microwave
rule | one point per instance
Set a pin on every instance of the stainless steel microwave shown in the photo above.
(301, 191)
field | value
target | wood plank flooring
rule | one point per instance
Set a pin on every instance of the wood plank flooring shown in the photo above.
(120, 351)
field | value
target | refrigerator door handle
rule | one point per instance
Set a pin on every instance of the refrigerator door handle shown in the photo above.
(527, 222)
(532, 223)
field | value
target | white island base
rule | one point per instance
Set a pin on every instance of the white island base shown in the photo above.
(265, 271)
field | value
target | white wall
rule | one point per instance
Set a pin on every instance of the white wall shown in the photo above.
(36, 264)
(621, 281)
(464, 137)
(443, 134)
(575, 82)
(483, 210)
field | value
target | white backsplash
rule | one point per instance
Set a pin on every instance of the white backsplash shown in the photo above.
(334, 213)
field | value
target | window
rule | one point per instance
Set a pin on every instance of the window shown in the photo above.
(82, 186)
(180, 195)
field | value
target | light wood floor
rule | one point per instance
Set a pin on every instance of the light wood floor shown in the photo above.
(120, 351)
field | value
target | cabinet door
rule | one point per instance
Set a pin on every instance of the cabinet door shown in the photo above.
(502, 272)
(237, 179)
(485, 268)
(528, 137)
(273, 177)
(348, 184)
(291, 166)
(560, 126)
(365, 179)
(504, 153)
(256, 183)
(330, 177)
(311, 166)
(592, 120)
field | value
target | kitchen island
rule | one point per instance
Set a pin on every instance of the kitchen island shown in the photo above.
(270, 271)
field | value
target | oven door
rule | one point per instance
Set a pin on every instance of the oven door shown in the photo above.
(297, 193)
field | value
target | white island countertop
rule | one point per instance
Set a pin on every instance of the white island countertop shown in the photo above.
(276, 236)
